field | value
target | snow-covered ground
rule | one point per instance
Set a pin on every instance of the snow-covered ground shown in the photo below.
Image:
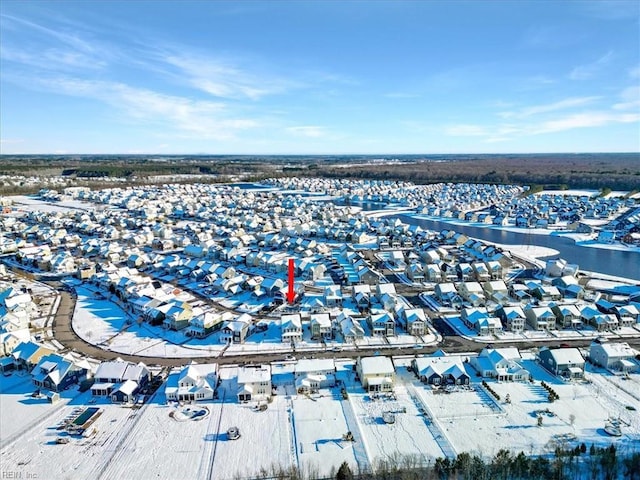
(319, 428)
(296, 430)
(102, 322)
(30, 204)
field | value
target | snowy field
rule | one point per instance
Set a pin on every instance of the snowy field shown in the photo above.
(31, 204)
(19, 411)
(102, 322)
(148, 443)
(474, 422)
(319, 426)
(408, 436)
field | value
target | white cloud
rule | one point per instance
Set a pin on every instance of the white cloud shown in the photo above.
(585, 120)
(586, 71)
(549, 107)
(630, 99)
(204, 119)
(312, 131)
(224, 79)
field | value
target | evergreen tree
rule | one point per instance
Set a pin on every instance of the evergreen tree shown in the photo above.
(344, 472)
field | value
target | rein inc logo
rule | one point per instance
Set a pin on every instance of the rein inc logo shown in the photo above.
(16, 475)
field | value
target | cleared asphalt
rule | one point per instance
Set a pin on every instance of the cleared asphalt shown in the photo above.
(64, 333)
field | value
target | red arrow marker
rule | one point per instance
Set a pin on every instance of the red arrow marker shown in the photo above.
(290, 293)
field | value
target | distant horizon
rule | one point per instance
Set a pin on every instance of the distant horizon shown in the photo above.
(159, 154)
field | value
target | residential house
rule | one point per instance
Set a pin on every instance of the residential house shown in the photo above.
(57, 373)
(376, 373)
(540, 318)
(176, 315)
(254, 383)
(503, 364)
(496, 271)
(350, 329)
(497, 291)
(479, 320)
(28, 354)
(314, 374)
(415, 272)
(414, 321)
(602, 322)
(513, 318)
(567, 315)
(546, 293)
(628, 315)
(562, 362)
(333, 296)
(481, 271)
(446, 293)
(320, 325)
(472, 293)
(440, 370)
(207, 323)
(291, 327)
(465, 272)
(195, 382)
(236, 331)
(272, 286)
(111, 375)
(614, 356)
(382, 323)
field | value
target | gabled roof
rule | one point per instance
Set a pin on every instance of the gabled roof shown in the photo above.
(565, 356)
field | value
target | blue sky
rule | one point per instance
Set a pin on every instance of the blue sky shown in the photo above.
(327, 77)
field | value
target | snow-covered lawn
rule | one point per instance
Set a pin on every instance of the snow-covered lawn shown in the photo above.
(319, 427)
(307, 432)
(37, 453)
(97, 319)
(408, 436)
(19, 411)
(161, 447)
(475, 422)
(265, 440)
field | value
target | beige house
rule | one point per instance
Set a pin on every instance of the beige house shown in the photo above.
(254, 383)
(376, 373)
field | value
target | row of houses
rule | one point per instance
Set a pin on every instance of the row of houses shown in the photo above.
(552, 316)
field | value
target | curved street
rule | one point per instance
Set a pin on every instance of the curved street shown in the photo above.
(452, 343)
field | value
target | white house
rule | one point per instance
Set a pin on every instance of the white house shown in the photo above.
(350, 328)
(313, 374)
(376, 373)
(195, 382)
(440, 370)
(110, 376)
(291, 326)
(254, 383)
(503, 364)
(613, 356)
(414, 321)
(320, 324)
(565, 362)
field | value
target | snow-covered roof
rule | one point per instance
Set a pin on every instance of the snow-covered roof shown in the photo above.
(254, 374)
(376, 366)
(113, 369)
(617, 350)
(315, 365)
(565, 356)
(128, 387)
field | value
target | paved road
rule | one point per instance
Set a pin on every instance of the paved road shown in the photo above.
(452, 343)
